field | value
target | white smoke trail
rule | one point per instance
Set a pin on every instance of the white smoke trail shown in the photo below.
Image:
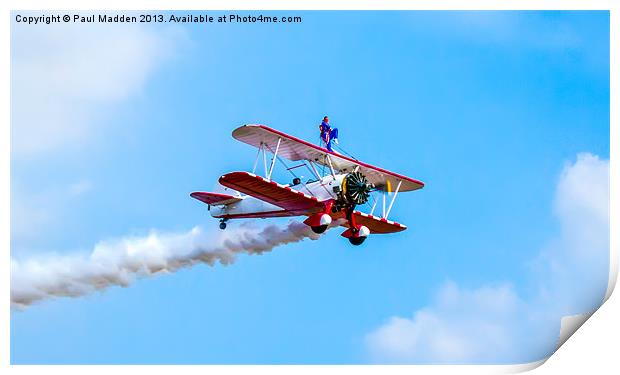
(120, 262)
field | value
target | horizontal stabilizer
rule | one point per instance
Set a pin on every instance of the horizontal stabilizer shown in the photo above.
(215, 199)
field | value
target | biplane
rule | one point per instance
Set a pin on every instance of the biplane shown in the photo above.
(339, 185)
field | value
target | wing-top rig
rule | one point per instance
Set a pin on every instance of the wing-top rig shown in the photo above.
(295, 149)
(325, 199)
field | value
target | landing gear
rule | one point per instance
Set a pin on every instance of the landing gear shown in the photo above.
(223, 224)
(319, 222)
(356, 234)
(356, 241)
(320, 228)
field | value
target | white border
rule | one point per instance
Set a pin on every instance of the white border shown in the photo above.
(597, 340)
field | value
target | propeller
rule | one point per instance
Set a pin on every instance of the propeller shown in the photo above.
(357, 188)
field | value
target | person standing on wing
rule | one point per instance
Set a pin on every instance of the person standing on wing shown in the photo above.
(328, 134)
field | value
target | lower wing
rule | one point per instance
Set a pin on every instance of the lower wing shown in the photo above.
(298, 203)
(272, 192)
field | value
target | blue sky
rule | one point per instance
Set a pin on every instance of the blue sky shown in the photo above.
(489, 109)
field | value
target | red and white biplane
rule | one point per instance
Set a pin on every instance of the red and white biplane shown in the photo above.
(328, 197)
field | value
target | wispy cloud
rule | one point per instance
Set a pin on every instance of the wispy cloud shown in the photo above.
(64, 79)
(65, 82)
(492, 323)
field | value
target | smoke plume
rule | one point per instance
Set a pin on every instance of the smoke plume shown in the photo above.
(120, 262)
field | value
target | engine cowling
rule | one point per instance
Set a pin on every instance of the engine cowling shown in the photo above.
(356, 188)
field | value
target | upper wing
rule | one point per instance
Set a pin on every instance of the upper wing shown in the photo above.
(376, 224)
(272, 192)
(296, 149)
(214, 199)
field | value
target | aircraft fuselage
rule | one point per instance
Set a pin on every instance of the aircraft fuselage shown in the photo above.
(249, 207)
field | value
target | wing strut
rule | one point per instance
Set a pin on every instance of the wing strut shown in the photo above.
(264, 157)
(331, 166)
(393, 199)
(273, 160)
(260, 148)
(316, 173)
(383, 198)
(374, 205)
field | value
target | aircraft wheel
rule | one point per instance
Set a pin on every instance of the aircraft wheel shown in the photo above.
(319, 229)
(356, 241)
(222, 226)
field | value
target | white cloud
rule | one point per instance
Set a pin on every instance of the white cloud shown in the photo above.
(459, 325)
(64, 76)
(572, 270)
(492, 324)
(65, 81)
